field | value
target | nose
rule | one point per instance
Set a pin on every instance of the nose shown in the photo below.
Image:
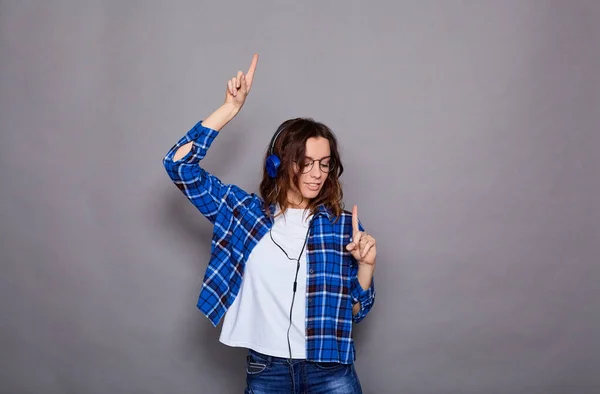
(315, 171)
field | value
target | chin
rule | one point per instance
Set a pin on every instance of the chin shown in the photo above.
(310, 194)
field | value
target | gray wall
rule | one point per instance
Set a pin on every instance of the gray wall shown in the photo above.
(470, 137)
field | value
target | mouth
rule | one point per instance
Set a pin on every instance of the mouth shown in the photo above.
(313, 186)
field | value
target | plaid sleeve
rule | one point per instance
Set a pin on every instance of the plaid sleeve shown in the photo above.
(358, 294)
(204, 190)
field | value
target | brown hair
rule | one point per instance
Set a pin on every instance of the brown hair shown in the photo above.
(290, 146)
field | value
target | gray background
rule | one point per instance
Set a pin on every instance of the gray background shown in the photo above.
(469, 131)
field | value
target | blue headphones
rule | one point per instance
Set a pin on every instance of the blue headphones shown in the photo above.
(273, 161)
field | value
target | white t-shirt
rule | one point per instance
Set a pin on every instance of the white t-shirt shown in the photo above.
(259, 317)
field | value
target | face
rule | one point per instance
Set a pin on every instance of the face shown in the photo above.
(311, 181)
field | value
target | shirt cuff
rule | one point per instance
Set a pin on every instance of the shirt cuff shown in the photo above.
(361, 295)
(201, 134)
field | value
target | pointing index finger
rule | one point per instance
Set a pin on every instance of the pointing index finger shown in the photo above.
(250, 73)
(355, 228)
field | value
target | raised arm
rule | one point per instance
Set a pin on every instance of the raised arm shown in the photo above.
(181, 162)
(363, 249)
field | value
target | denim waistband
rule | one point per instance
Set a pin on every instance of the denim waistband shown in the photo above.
(274, 359)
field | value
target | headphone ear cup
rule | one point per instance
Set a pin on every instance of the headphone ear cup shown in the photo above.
(273, 163)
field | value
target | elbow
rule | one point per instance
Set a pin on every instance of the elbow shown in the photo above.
(171, 167)
(358, 317)
(176, 155)
(168, 165)
(362, 310)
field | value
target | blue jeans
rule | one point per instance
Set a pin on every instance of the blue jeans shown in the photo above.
(275, 375)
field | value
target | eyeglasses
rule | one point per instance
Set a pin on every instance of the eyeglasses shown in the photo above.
(326, 164)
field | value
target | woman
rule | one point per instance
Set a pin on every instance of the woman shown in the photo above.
(290, 271)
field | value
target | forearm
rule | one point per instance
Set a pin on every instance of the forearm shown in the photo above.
(365, 275)
(223, 115)
(216, 121)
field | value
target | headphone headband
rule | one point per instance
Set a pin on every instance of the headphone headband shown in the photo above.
(274, 138)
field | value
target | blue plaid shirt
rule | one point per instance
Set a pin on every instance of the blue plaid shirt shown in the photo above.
(240, 221)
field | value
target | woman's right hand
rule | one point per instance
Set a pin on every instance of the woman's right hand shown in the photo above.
(235, 96)
(239, 86)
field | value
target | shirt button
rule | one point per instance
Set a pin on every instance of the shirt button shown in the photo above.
(312, 271)
(310, 300)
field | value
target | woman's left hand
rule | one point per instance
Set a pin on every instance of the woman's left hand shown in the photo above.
(362, 246)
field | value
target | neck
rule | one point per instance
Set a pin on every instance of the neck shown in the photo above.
(296, 200)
